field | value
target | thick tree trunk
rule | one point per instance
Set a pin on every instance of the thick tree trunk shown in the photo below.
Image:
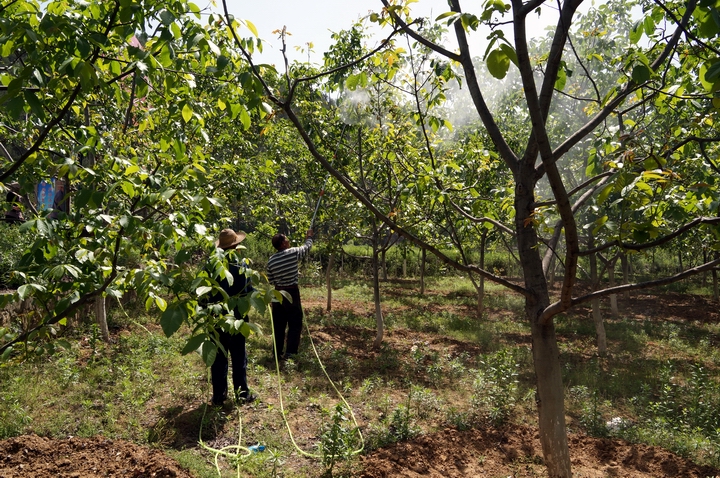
(328, 281)
(101, 318)
(546, 355)
(423, 257)
(376, 296)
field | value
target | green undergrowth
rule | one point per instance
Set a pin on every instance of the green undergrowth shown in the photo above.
(440, 365)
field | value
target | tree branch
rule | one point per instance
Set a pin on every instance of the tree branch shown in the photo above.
(557, 307)
(658, 242)
(419, 38)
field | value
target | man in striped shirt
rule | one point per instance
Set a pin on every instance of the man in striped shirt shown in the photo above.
(282, 270)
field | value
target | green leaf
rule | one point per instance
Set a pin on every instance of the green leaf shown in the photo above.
(202, 290)
(35, 104)
(713, 73)
(498, 63)
(166, 17)
(208, 352)
(161, 303)
(258, 303)
(193, 343)
(604, 193)
(244, 118)
(636, 32)
(561, 79)
(252, 28)
(245, 329)
(172, 319)
(640, 74)
(187, 113)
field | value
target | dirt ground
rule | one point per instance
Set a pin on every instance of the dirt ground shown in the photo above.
(487, 453)
(449, 453)
(33, 456)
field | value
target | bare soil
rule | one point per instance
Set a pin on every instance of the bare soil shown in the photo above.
(34, 456)
(449, 453)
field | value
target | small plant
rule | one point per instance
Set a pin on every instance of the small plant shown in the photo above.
(338, 438)
(424, 401)
(497, 387)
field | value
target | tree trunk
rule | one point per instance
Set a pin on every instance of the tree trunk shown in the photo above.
(611, 283)
(384, 265)
(680, 262)
(328, 281)
(550, 398)
(551, 272)
(625, 264)
(101, 318)
(481, 287)
(704, 274)
(600, 335)
(422, 272)
(376, 295)
(716, 290)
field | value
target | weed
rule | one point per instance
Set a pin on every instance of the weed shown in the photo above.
(425, 402)
(496, 387)
(338, 437)
(591, 417)
(462, 420)
(397, 427)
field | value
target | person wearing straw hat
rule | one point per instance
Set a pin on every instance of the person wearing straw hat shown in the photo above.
(282, 271)
(234, 344)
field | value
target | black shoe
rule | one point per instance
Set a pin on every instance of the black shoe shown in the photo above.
(246, 397)
(219, 402)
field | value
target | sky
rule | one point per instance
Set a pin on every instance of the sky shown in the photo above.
(313, 21)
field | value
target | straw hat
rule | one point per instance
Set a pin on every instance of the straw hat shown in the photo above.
(229, 238)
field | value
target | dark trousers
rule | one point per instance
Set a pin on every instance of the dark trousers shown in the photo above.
(235, 347)
(288, 315)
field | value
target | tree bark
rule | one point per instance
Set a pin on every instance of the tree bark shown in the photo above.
(551, 272)
(380, 326)
(384, 264)
(328, 281)
(680, 262)
(611, 283)
(546, 355)
(600, 336)
(481, 287)
(716, 289)
(625, 264)
(422, 272)
(101, 317)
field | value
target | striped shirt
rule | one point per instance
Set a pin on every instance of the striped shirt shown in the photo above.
(282, 267)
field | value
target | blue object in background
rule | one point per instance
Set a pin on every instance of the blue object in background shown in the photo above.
(257, 448)
(46, 194)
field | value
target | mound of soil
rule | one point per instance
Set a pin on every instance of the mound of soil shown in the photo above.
(32, 456)
(516, 452)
